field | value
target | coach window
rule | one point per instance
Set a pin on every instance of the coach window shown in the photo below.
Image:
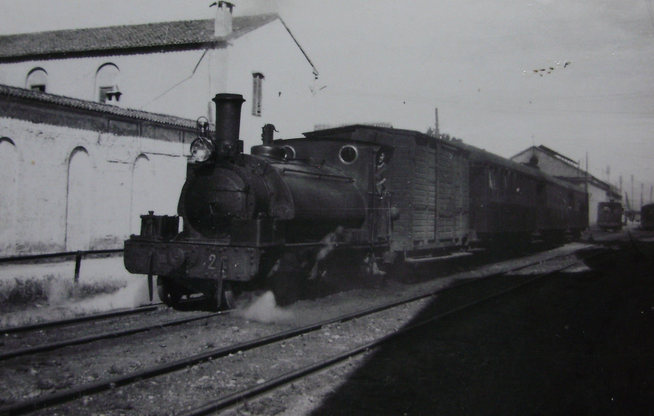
(491, 179)
(106, 83)
(37, 80)
(257, 93)
(505, 182)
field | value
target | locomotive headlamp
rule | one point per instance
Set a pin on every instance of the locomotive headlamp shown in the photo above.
(201, 150)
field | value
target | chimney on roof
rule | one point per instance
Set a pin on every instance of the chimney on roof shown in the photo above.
(223, 23)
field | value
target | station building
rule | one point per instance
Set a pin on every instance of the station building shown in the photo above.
(174, 68)
(95, 124)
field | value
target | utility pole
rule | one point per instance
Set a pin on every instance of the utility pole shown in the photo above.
(436, 128)
(587, 194)
(632, 188)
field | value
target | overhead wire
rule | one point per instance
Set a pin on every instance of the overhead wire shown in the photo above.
(178, 83)
(501, 107)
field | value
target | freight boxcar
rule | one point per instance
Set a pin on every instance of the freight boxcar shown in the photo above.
(647, 217)
(427, 179)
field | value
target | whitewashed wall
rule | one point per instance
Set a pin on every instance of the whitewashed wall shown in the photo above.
(58, 203)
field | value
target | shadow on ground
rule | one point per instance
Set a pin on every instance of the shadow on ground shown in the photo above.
(578, 344)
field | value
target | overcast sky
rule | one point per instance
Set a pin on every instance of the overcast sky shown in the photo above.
(474, 60)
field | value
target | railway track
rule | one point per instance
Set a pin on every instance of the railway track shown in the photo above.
(43, 346)
(112, 383)
(102, 336)
(80, 319)
(303, 372)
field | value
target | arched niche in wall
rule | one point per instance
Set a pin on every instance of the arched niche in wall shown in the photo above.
(37, 80)
(8, 195)
(106, 83)
(79, 200)
(142, 185)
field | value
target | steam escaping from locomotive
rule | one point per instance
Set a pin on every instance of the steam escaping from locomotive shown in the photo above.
(264, 309)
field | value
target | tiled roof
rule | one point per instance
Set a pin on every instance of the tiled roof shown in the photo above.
(42, 97)
(123, 38)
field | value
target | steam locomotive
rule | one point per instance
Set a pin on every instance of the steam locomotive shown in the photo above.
(352, 199)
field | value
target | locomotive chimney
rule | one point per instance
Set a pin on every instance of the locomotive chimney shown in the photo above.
(223, 22)
(228, 124)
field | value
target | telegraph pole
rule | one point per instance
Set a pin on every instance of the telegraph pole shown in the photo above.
(632, 190)
(588, 208)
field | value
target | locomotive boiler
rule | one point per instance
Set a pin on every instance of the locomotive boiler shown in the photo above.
(252, 221)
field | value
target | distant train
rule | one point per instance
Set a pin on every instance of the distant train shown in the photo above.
(355, 198)
(609, 215)
(647, 217)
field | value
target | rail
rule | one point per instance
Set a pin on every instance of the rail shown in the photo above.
(78, 257)
(100, 385)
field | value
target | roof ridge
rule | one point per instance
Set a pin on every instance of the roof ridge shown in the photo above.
(167, 22)
(80, 29)
(177, 33)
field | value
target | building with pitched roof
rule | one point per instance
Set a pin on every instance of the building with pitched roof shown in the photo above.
(560, 166)
(174, 68)
(95, 124)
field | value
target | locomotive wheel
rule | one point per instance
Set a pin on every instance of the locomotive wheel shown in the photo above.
(224, 299)
(167, 292)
